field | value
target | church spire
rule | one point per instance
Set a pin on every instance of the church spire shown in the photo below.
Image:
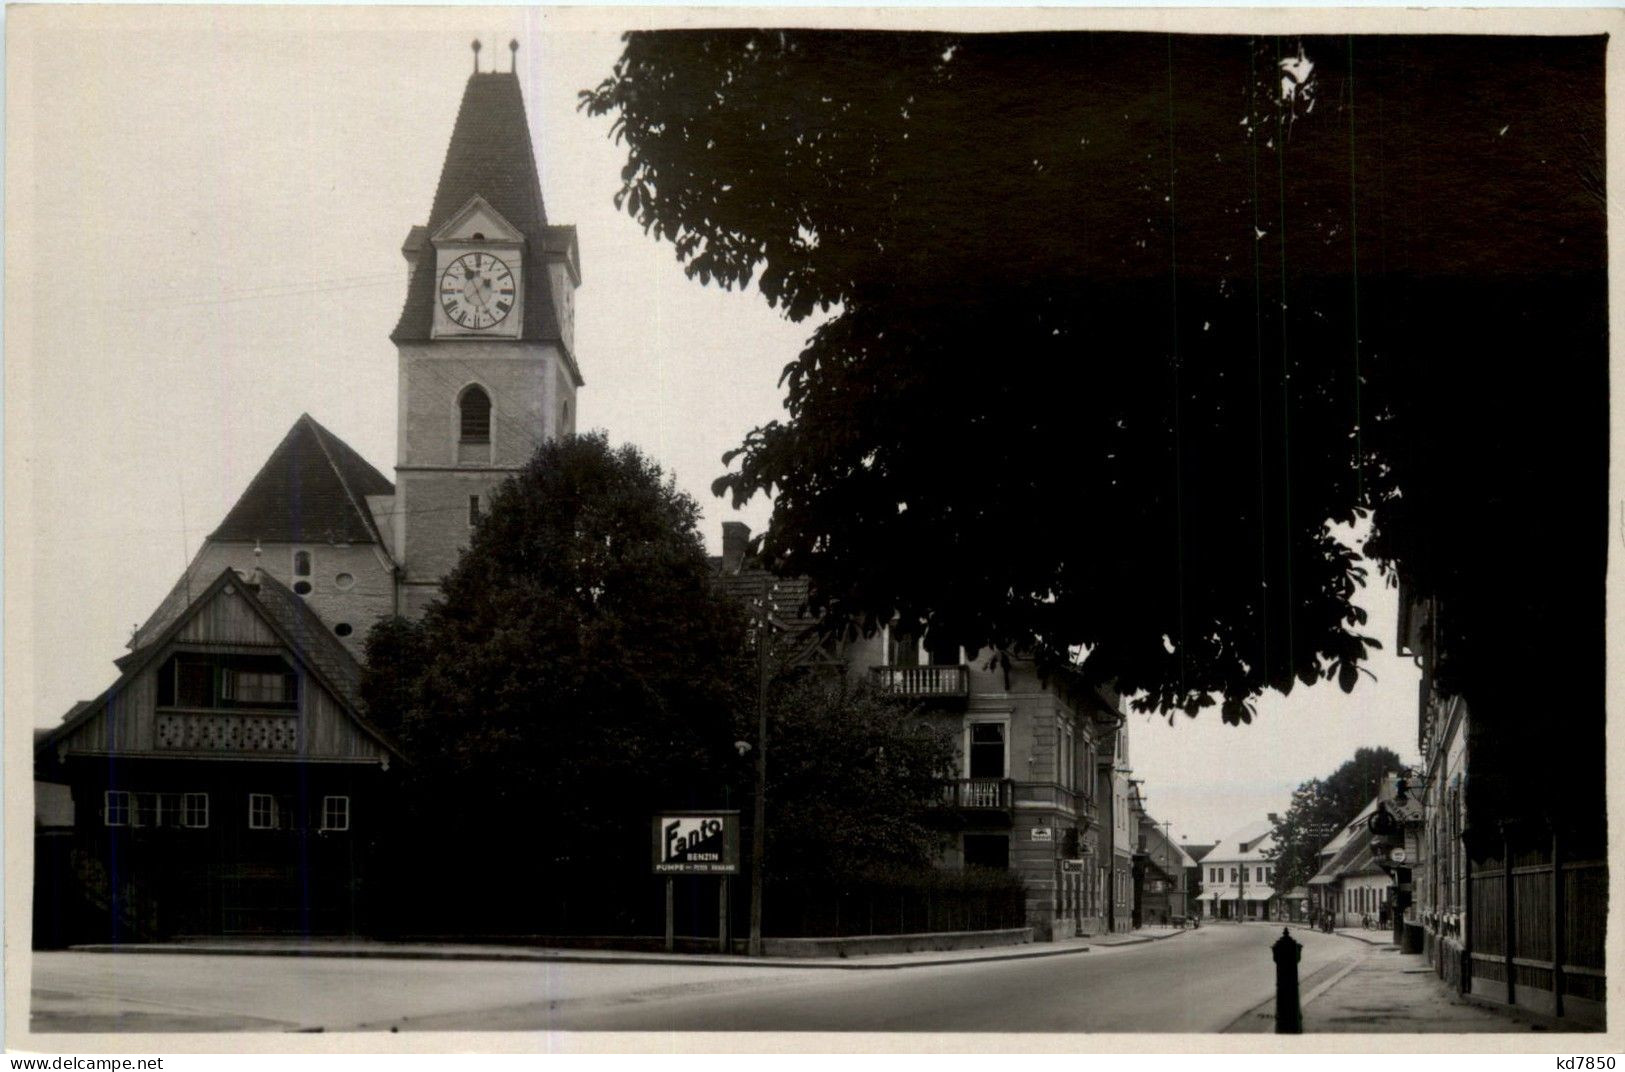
(491, 157)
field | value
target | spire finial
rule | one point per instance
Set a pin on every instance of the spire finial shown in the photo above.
(513, 55)
(476, 55)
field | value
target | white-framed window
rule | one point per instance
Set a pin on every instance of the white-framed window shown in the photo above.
(987, 748)
(122, 807)
(116, 808)
(247, 686)
(195, 810)
(262, 811)
(1066, 757)
(335, 813)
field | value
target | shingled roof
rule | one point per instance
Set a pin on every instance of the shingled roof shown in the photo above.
(312, 488)
(310, 637)
(490, 156)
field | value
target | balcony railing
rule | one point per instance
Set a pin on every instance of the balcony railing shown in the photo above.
(923, 681)
(993, 793)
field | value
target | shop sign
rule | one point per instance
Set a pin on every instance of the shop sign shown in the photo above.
(696, 843)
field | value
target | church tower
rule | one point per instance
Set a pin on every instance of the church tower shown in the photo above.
(486, 343)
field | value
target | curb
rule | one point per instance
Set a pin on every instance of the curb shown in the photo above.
(1367, 941)
(1142, 939)
(512, 956)
(566, 957)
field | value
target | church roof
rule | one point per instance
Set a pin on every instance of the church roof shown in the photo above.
(313, 488)
(491, 157)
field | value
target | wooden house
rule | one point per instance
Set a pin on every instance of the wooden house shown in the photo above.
(225, 783)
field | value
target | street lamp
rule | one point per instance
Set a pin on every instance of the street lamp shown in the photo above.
(758, 833)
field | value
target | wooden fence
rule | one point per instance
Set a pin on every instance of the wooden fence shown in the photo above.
(1538, 927)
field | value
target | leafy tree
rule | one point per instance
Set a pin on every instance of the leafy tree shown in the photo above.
(582, 670)
(1320, 808)
(852, 774)
(578, 672)
(1205, 295)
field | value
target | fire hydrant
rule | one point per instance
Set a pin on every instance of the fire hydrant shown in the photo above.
(1288, 1016)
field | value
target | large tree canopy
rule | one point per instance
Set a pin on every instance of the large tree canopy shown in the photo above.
(1118, 323)
(1323, 806)
(579, 673)
(583, 670)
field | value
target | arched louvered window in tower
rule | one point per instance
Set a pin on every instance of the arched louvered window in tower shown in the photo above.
(475, 408)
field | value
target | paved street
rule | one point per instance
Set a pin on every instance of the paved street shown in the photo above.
(1201, 981)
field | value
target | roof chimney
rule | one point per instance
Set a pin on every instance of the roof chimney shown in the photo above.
(735, 539)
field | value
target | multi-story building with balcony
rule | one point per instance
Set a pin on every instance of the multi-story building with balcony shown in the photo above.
(1026, 796)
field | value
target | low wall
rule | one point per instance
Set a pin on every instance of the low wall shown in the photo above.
(894, 943)
(854, 946)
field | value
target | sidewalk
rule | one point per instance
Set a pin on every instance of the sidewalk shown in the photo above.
(367, 949)
(1385, 991)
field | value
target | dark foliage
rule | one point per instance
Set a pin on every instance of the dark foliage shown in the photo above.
(852, 776)
(578, 673)
(1120, 322)
(581, 672)
(895, 900)
(1320, 808)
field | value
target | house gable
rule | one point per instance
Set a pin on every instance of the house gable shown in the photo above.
(250, 630)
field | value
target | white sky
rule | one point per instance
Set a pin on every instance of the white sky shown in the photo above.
(205, 212)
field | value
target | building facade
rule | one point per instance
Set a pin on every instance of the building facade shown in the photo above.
(1510, 881)
(1238, 875)
(1161, 876)
(1031, 749)
(225, 783)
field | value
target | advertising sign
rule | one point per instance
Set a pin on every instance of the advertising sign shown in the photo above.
(1042, 833)
(696, 843)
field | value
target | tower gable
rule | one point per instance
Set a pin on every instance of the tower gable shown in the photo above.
(491, 158)
(477, 221)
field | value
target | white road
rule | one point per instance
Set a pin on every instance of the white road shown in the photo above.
(1196, 982)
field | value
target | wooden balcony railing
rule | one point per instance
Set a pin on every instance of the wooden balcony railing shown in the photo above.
(990, 793)
(925, 681)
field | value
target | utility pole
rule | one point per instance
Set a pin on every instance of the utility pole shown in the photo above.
(758, 833)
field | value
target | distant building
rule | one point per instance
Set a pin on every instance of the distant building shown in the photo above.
(1351, 886)
(1237, 874)
(1194, 874)
(1163, 871)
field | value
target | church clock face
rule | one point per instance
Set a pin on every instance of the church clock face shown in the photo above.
(477, 291)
